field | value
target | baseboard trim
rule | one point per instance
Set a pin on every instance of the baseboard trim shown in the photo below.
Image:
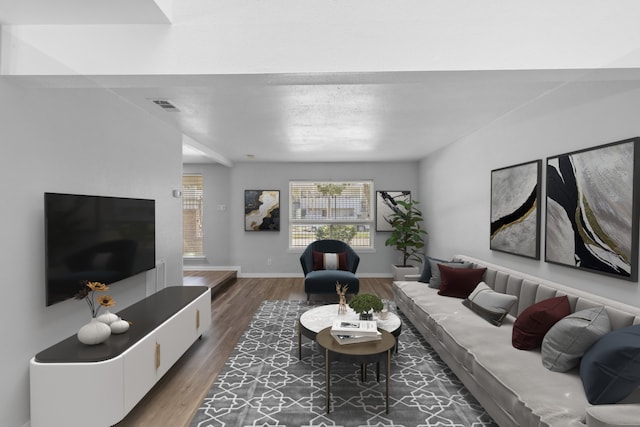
(299, 275)
(211, 268)
(269, 275)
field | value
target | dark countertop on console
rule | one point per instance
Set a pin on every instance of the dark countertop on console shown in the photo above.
(145, 315)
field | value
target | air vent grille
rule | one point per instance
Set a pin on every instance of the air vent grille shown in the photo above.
(165, 104)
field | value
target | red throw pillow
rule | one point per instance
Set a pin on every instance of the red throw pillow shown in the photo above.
(459, 282)
(318, 261)
(535, 321)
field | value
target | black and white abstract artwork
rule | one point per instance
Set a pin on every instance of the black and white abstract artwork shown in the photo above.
(262, 210)
(386, 204)
(515, 209)
(592, 215)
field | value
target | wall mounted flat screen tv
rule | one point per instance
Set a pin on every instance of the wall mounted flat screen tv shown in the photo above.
(97, 239)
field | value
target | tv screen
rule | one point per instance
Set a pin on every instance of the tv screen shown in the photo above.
(97, 239)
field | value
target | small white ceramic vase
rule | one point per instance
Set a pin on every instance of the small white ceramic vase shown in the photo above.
(94, 332)
(119, 326)
(107, 317)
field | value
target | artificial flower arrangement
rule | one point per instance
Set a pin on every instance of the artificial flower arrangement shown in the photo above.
(341, 290)
(87, 293)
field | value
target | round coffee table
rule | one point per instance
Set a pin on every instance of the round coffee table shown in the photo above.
(314, 320)
(361, 353)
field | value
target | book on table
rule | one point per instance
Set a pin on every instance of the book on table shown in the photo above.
(354, 327)
(353, 339)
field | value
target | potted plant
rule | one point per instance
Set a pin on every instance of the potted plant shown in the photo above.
(406, 236)
(365, 305)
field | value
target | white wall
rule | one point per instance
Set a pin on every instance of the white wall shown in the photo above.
(250, 250)
(455, 181)
(85, 142)
(216, 229)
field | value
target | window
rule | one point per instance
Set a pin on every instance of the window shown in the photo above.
(192, 246)
(331, 210)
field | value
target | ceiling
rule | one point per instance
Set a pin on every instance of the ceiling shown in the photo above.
(307, 117)
(332, 117)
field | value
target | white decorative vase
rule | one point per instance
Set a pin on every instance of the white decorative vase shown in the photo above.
(107, 317)
(119, 326)
(94, 332)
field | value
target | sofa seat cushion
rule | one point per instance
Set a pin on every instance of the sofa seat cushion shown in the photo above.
(523, 387)
(315, 282)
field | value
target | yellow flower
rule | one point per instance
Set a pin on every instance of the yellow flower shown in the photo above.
(97, 286)
(106, 301)
(87, 293)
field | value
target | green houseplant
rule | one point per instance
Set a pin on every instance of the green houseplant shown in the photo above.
(365, 304)
(407, 232)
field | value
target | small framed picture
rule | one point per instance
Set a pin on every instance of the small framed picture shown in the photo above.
(386, 204)
(262, 210)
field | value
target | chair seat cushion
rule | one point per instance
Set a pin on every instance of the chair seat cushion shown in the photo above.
(324, 281)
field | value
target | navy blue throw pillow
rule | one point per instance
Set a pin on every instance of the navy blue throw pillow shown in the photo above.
(425, 276)
(610, 368)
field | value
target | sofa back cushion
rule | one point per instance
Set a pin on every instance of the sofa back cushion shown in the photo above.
(330, 261)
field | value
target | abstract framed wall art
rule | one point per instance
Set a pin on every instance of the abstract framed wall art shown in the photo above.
(592, 209)
(515, 209)
(262, 210)
(386, 204)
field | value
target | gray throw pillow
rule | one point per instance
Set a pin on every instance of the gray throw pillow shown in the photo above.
(436, 278)
(490, 305)
(425, 276)
(565, 343)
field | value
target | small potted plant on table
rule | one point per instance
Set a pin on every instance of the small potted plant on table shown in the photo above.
(365, 305)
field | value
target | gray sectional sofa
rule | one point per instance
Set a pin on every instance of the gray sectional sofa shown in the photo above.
(513, 385)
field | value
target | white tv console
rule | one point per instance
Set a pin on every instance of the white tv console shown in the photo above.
(73, 384)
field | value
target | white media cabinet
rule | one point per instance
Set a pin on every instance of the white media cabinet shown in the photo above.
(73, 384)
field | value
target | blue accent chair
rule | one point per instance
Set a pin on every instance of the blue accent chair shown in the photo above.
(324, 281)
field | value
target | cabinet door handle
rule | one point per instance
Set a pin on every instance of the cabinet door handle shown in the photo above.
(157, 356)
(197, 318)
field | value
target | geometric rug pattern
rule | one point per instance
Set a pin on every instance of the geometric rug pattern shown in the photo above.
(263, 383)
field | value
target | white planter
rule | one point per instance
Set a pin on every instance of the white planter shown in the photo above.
(399, 272)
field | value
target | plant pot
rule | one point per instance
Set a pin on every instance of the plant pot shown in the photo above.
(366, 316)
(399, 271)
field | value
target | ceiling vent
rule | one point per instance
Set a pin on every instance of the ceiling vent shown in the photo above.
(166, 105)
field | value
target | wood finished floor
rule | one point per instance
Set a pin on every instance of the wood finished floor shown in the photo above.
(176, 397)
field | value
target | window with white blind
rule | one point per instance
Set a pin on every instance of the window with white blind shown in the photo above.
(192, 197)
(331, 210)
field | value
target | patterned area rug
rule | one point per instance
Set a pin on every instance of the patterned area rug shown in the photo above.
(264, 384)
